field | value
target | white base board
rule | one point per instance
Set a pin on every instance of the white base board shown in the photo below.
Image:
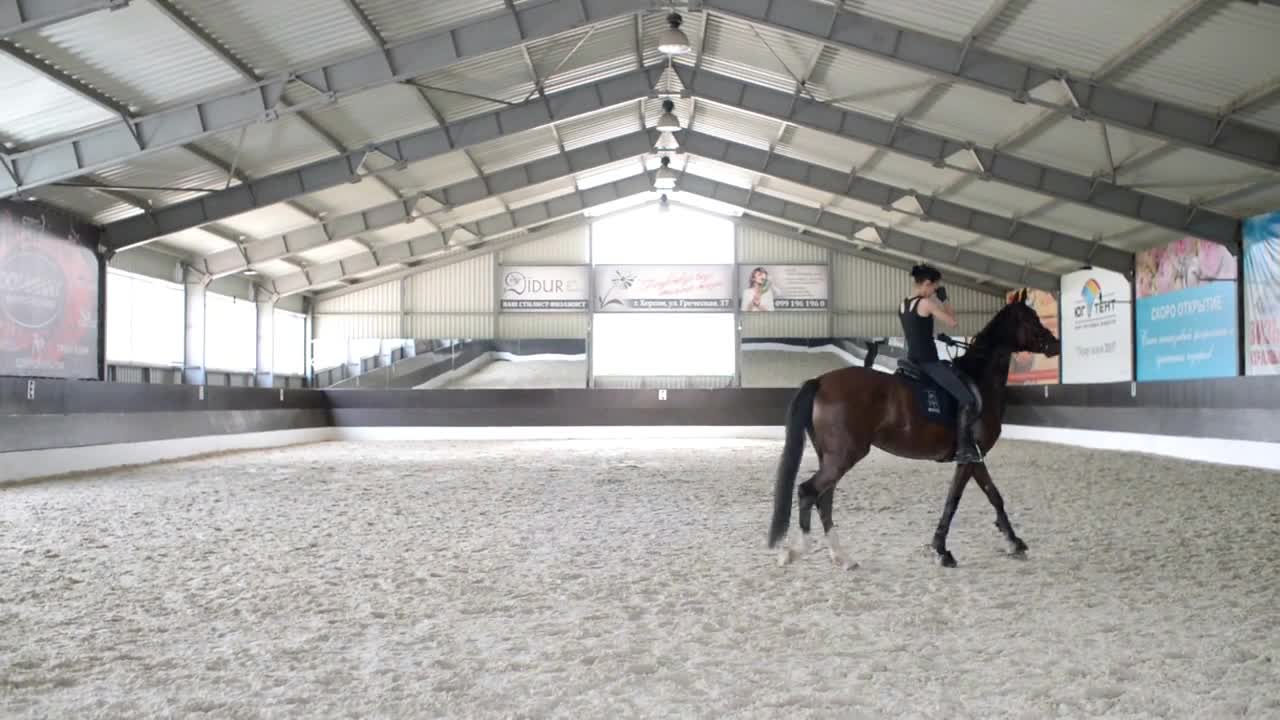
(619, 432)
(1245, 453)
(32, 464)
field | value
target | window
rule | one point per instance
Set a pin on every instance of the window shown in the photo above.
(645, 236)
(145, 320)
(648, 344)
(230, 333)
(289, 343)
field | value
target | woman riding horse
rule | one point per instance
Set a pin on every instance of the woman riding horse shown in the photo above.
(929, 301)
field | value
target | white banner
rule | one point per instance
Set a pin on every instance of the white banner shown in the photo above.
(766, 288)
(544, 288)
(1097, 327)
(663, 288)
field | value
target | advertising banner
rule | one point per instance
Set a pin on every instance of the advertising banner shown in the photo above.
(1262, 294)
(663, 288)
(1032, 368)
(544, 288)
(48, 296)
(766, 288)
(1097, 327)
(1186, 311)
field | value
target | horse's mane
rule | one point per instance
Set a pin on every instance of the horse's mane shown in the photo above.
(988, 342)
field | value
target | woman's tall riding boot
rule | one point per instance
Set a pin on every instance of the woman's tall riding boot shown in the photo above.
(966, 449)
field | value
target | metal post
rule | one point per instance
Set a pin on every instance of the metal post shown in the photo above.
(193, 361)
(265, 304)
(102, 315)
(591, 298)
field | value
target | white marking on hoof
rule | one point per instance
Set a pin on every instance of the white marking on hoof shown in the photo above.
(785, 556)
(838, 556)
(802, 545)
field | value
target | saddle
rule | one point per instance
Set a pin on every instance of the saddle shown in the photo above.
(936, 404)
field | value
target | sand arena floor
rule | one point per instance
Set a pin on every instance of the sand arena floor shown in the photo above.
(630, 579)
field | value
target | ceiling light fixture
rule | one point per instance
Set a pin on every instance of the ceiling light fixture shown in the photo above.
(667, 121)
(665, 177)
(673, 41)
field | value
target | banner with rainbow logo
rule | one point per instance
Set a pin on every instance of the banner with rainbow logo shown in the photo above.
(1097, 327)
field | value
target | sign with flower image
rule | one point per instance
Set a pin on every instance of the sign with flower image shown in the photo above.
(663, 288)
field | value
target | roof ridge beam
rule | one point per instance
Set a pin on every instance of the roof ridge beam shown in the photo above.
(892, 239)
(116, 142)
(1191, 128)
(19, 16)
(884, 195)
(404, 210)
(442, 255)
(1096, 193)
(398, 253)
(346, 168)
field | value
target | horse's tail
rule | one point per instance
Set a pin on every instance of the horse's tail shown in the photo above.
(799, 422)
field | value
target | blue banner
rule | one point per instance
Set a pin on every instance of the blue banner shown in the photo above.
(1189, 333)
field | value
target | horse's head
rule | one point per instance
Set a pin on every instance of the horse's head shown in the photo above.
(1022, 331)
(1016, 328)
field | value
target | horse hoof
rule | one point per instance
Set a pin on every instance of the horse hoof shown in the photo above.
(1018, 549)
(946, 559)
(844, 563)
(786, 556)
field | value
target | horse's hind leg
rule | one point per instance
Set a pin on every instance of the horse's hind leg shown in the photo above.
(983, 477)
(824, 484)
(807, 497)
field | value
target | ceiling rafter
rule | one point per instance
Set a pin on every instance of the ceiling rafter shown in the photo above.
(20, 16)
(1015, 79)
(257, 102)
(783, 212)
(997, 165)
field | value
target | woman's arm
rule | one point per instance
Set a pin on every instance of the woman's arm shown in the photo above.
(931, 307)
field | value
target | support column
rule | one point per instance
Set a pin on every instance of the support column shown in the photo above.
(194, 284)
(264, 375)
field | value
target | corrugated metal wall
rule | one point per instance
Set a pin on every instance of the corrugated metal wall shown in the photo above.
(766, 248)
(571, 247)
(452, 301)
(867, 295)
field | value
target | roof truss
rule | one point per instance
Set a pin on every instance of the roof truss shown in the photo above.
(261, 101)
(962, 62)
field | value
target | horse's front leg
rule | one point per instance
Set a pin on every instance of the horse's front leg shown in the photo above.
(1016, 547)
(963, 472)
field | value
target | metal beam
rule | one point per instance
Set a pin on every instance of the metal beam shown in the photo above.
(845, 248)
(639, 144)
(937, 149)
(415, 147)
(449, 256)
(1098, 194)
(397, 212)
(884, 195)
(1014, 79)
(19, 16)
(529, 216)
(260, 101)
(890, 238)
(759, 202)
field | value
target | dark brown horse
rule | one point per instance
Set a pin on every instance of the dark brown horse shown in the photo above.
(845, 412)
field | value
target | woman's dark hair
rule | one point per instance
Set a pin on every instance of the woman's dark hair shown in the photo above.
(923, 273)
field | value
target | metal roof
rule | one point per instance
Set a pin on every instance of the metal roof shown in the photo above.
(1027, 135)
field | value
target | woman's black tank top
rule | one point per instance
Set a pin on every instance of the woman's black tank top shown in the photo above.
(918, 332)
